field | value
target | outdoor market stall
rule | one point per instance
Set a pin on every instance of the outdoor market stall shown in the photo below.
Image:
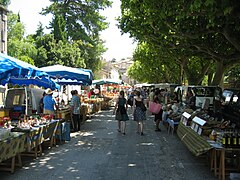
(203, 135)
(28, 137)
(24, 138)
(70, 76)
(109, 89)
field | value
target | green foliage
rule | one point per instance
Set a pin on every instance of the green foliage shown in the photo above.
(51, 51)
(18, 46)
(74, 40)
(15, 28)
(203, 29)
(5, 2)
(59, 25)
(80, 22)
(26, 59)
(233, 77)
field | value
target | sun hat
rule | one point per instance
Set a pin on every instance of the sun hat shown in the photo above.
(48, 91)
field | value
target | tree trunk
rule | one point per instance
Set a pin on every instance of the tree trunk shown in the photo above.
(181, 77)
(210, 78)
(218, 77)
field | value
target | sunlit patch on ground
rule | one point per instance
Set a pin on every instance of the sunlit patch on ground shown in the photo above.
(147, 144)
(132, 165)
(50, 167)
(81, 143)
(87, 134)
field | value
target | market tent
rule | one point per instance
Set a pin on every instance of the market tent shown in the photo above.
(106, 81)
(89, 71)
(68, 82)
(64, 72)
(19, 72)
(45, 82)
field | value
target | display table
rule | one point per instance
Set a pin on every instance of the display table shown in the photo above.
(64, 114)
(83, 113)
(10, 148)
(28, 141)
(94, 104)
(63, 132)
(218, 160)
(197, 144)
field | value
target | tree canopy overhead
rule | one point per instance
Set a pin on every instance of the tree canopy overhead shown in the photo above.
(206, 29)
(80, 21)
(74, 39)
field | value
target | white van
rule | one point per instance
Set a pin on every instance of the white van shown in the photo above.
(23, 101)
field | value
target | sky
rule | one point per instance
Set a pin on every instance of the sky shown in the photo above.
(119, 46)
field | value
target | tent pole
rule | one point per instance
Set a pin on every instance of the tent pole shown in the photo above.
(26, 96)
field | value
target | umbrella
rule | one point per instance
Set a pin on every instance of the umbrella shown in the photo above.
(19, 72)
(106, 81)
(64, 72)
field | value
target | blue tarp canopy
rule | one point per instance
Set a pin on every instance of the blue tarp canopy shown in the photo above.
(68, 82)
(106, 81)
(66, 74)
(45, 82)
(19, 72)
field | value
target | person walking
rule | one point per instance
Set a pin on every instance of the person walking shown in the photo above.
(41, 105)
(138, 114)
(158, 117)
(75, 110)
(49, 103)
(120, 112)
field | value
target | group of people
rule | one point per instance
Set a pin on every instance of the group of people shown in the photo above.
(48, 105)
(138, 112)
(136, 101)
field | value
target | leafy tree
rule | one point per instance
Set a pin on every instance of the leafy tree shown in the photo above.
(205, 29)
(233, 77)
(59, 25)
(50, 52)
(18, 46)
(15, 28)
(82, 22)
(5, 2)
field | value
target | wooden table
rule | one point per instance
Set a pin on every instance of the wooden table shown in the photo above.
(222, 163)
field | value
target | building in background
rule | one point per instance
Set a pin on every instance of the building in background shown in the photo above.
(3, 33)
(116, 70)
(108, 71)
(122, 67)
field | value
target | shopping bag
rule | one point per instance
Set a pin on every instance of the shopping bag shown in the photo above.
(154, 107)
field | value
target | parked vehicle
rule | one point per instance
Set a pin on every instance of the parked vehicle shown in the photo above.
(169, 87)
(231, 105)
(23, 101)
(201, 93)
(2, 96)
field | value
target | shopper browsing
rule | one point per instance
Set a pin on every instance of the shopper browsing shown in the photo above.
(49, 103)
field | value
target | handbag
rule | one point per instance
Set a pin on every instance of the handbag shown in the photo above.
(143, 107)
(154, 107)
(130, 101)
(118, 116)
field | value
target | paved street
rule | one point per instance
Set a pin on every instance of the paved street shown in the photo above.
(100, 152)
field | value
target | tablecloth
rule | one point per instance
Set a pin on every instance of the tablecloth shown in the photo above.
(196, 143)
